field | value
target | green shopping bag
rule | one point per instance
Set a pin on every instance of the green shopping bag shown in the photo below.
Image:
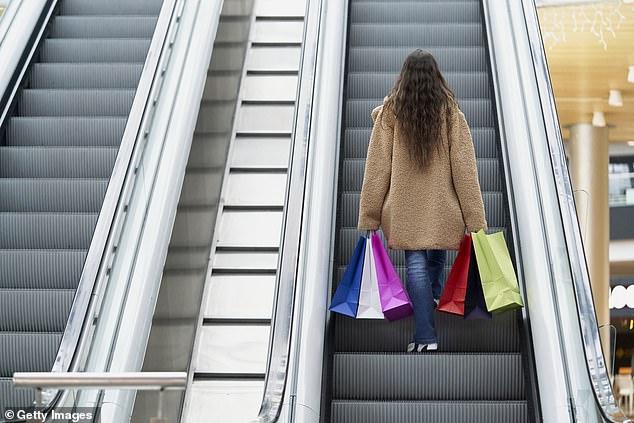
(499, 282)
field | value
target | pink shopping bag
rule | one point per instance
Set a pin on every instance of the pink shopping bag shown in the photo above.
(394, 299)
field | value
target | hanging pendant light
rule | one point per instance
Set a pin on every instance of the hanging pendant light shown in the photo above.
(615, 99)
(598, 119)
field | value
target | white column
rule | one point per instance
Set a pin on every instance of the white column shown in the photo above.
(589, 157)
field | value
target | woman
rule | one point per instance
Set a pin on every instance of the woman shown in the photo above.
(421, 183)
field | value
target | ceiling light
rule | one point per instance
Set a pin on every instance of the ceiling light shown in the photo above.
(630, 75)
(598, 119)
(615, 98)
(546, 3)
(630, 143)
(628, 1)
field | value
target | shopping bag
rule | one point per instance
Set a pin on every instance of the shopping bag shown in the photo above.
(455, 290)
(499, 282)
(474, 304)
(346, 298)
(395, 302)
(369, 297)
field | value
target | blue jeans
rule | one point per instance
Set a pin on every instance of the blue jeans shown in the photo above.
(424, 284)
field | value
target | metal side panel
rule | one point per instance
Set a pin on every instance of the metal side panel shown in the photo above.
(231, 347)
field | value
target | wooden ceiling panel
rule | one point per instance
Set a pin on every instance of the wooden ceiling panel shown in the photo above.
(583, 71)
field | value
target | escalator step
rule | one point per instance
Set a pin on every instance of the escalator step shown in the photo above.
(57, 162)
(46, 230)
(51, 102)
(65, 131)
(86, 75)
(390, 59)
(18, 352)
(102, 27)
(95, 50)
(350, 236)
(111, 7)
(429, 411)
(488, 174)
(400, 12)
(35, 310)
(478, 112)
(41, 269)
(12, 396)
(455, 334)
(493, 206)
(52, 195)
(357, 140)
(429, 376)
(415, 35)
(374, 86)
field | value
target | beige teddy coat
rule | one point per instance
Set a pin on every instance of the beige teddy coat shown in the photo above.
(421, 209)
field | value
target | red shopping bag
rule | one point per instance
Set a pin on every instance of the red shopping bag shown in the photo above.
(455, 290)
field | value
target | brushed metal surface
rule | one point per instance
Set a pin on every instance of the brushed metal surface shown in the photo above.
(280, 8)
(269, 152)
(262, 189)
(274, 59)
(248, 229)
(240, 296)
(224, 401)
(232, 349)
(270, 88)
(265, 118)
(278, 32)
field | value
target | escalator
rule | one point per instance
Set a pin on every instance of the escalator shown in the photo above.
(479, 371)
(58, 147)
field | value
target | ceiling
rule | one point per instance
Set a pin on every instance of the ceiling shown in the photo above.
(583, 68)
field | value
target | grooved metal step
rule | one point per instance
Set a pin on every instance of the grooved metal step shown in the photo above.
(457, 334)
(27, 352)
(46, 230)
(61, 102)
(35, 310)
(95, 50)
(52, 195)
(88, 27)
(86, 75)
(432, 376)
(65, 131)
(429, 411)
(375, 85)
(111, 7)
(390, 59)
(40, 269)
(478, 112)
(437, 34)
(58, 162)
(399, 12)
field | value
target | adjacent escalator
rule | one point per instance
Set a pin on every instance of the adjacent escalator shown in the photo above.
(57, 152)
(478, 374)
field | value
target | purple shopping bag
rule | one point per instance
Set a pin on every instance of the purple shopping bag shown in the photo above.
(394, 299)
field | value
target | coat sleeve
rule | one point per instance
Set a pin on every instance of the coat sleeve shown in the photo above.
(464, 172)
(378, 170)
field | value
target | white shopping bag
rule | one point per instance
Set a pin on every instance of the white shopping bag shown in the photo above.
(369, 298)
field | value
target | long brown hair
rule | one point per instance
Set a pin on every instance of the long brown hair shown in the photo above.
(420, 99)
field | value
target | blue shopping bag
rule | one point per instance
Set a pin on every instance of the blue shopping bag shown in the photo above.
(346, 298)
